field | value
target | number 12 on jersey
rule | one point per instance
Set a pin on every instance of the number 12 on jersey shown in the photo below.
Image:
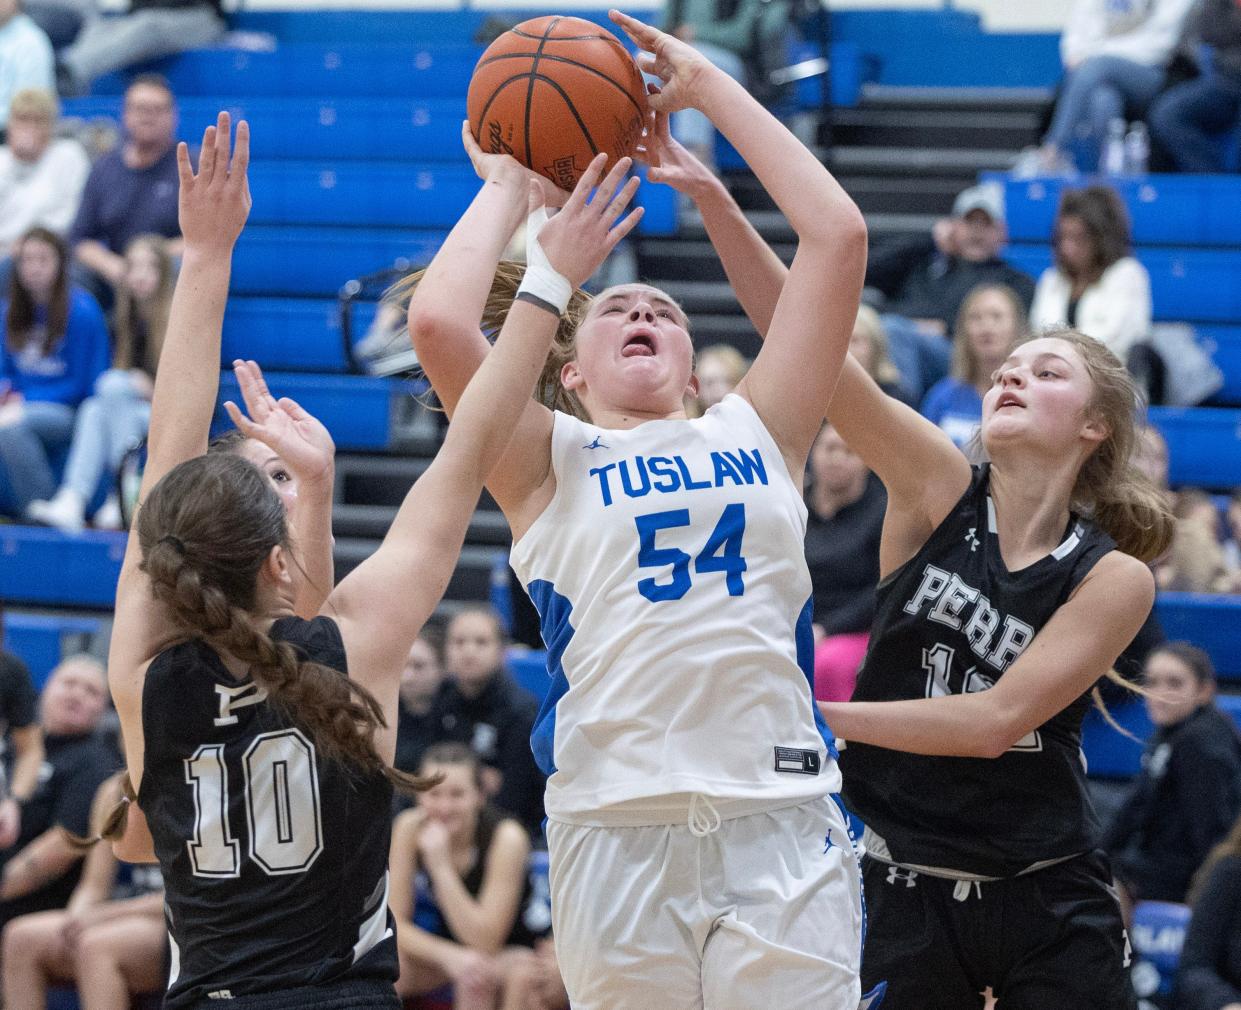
(721, 553)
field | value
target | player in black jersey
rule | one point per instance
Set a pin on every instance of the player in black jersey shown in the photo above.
(1007, 592)
(261, 743)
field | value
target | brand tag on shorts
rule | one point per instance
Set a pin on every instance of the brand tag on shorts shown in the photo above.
(799, 762)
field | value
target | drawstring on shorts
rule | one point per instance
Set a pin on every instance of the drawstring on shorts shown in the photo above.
(704, 819)
(961, 890)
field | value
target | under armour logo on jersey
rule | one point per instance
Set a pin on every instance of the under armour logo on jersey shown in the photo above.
(972, 540)
(597, 444)
(910, 877)
(237, 697)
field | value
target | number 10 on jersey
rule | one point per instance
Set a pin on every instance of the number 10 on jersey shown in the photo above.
(721, 553)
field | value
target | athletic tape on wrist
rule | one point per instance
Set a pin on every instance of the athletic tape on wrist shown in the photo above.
(542, 279)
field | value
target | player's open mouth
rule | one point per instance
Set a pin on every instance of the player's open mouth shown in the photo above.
(1008, 400)
(639, 345)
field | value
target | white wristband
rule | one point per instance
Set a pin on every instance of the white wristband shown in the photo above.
(541, 278)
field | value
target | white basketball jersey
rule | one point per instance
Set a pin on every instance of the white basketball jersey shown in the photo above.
(670, 577)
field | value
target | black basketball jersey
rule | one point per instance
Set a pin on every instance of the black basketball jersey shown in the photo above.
(274, 858)
(951, 621)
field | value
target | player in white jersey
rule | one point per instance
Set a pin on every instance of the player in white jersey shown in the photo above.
(698, 858)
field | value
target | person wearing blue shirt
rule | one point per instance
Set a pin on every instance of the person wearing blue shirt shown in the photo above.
(53, 346)
(991, 321)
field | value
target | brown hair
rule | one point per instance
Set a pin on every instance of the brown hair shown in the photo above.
(452, 752)
(152, 315)
(19, 320)
(205, 531)
(483, 610)
(1195, 659)
(965, 365)
(1110, 489)
(882, 368)
(1103, 215)
(34, 103)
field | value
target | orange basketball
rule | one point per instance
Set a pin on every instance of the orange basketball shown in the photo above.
(555, 91)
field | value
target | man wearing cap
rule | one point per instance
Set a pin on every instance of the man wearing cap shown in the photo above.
(927, 278)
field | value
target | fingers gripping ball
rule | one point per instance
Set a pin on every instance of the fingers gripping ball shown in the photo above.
(555, 91)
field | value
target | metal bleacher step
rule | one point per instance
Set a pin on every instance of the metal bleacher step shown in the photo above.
(907, 161)
(471, 579)
(878, 97)
(936, 127)
(487, 528)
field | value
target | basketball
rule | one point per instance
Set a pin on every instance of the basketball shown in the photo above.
(554, 92)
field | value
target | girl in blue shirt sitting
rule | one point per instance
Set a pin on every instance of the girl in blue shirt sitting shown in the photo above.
(53, 346)
(991, 320)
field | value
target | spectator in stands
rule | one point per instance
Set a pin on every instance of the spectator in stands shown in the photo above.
(132, 190)
(421, 681)
(925, 280)
(718, 369)
(534, 981)
(55, 345)
(115, 418)
(150, 29)
(459, 883)
(42, 868)
(1095, 284)
(19, 732)
(845, 502)
(1150, 456)
(481, 706)
(1209, 974)
(25, 57)
(108, 941)
(1189, 790)
(1189, 121)
(1115, 54)
(991, 321)
(1232, 542)
(1195, 563)
(869, 345)
(41, 179)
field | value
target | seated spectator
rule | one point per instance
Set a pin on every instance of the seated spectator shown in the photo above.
(115, 419)
(420, 685)
(846, 503)
(1150, 456)
(534, 981)
(25, 57)
(718, 368)
(459, 882)
(41, 870)
(20, 734)
(869, 345)
(1189, 121)
(991, 322)
(1095, 285)
(131, 191)
(1232, 542)
(1189, 790)
(927, 278)
(1115, 56)
(1195, 562)
(108, 942)
(481, 706)
(41, 179)
(150, 29)
(54, 346)
(1209, 974)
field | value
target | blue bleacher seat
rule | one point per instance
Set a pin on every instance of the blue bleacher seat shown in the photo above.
(1210, 622)
(1157, 934)
(40, 639)
(529, 669)
(1224, 345)
(290, 334)
(1231, 706)
(1204, 445)
(1109, 753)
(44, 566)
(354, 408)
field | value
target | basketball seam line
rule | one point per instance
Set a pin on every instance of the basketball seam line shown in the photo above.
(594, 150)
(534, 67)
(558, 59)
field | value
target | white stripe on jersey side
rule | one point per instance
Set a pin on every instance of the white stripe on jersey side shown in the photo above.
(1061, 552)
(375, 929)
(174, 962)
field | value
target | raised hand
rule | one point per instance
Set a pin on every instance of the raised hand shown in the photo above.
(282, 425)
(580, 236)
(680, 67)
(214, 203)
(671, 164)
(485, 163)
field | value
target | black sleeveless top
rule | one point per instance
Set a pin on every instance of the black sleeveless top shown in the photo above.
(274, 858)
(951, 620)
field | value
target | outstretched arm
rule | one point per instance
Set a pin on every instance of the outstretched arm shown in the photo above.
(213, 206)
(925, 474)
(383, 602)
(1067, 657)
(793, 376)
